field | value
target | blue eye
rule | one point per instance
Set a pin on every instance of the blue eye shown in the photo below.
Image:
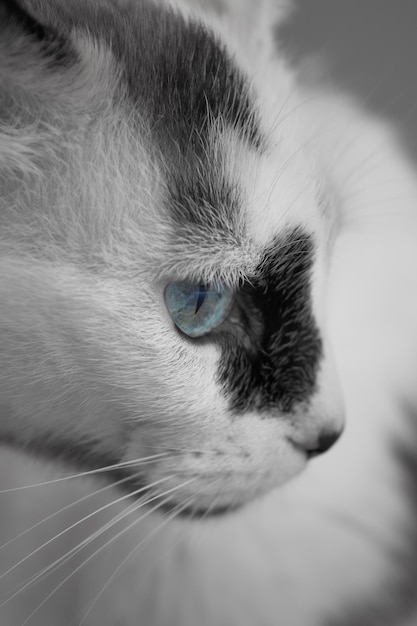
(197, 308)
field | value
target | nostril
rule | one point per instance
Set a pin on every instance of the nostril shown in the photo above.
(325, 442)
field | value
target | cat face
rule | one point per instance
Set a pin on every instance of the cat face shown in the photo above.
(149, 162)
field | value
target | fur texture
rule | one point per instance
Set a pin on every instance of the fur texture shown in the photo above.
(143, 143)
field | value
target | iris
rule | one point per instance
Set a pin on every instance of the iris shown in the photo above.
(197, 308)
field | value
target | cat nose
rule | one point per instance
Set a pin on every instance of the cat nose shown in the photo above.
(325, 441)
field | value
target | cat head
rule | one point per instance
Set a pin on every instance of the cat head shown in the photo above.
(165, 241)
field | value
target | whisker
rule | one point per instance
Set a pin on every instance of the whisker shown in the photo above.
(279, 117)
(53, 567)
(65, 508)
(76, 549)
(375, 185)
(183, 450)
(99, 470)
(284, 168)
(78, 522)
(105, 545)
(173, 513)
(300, 104)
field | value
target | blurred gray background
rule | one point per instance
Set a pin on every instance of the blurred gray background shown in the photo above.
(370, 48)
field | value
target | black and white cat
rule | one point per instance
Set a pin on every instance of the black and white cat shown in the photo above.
(208, 279)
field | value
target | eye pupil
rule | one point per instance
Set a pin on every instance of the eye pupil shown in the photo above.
(197, 308)
(201, 297)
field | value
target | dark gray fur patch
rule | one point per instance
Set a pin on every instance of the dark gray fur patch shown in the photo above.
(182, 75)
(270, 345)
(208, 205)
(52, 45)
(175, 70)
(273, 359)
(186, 78)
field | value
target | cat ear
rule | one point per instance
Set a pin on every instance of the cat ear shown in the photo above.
(32, 59)
(29, 49)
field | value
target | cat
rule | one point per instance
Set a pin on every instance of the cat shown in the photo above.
(207, 319)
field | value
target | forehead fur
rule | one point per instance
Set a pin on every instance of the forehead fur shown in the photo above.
(173, 67)
(180, 78)
(173, 140)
